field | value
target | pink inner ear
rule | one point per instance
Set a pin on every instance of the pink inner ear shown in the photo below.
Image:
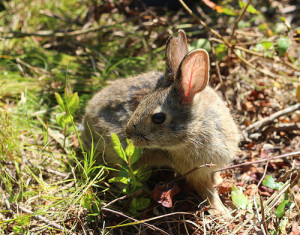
(194, 73)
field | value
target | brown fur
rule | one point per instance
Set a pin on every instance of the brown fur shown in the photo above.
(194, 133)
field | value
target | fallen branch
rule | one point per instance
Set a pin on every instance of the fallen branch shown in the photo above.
(265, 121)
(293, 154)
(238, 20)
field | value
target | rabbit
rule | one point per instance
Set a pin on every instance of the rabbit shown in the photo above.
(178, 119)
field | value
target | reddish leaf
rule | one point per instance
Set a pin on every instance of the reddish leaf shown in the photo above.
(164, 193)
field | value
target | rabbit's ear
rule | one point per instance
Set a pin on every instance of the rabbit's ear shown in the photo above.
(176, 50)
(193, 74)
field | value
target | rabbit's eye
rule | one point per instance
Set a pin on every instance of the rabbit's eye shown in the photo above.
(158, 118)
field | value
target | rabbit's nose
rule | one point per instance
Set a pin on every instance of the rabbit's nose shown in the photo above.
(130, 130)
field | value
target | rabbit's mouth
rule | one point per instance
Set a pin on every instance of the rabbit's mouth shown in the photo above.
(140, 141)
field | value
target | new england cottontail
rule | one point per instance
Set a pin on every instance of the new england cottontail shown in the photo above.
(175, 116)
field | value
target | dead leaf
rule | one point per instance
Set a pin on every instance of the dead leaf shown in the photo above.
(164, 193)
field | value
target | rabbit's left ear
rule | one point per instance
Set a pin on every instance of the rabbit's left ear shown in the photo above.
(176, 50)
(193, 74)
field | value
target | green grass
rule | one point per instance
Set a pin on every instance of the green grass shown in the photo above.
(37, 171)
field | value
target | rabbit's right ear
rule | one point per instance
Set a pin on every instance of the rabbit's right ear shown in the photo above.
(176, 50)
(193, 74)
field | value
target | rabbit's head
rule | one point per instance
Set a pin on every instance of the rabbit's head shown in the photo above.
(163, 117)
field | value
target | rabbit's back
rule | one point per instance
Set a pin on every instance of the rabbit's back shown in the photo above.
(109, 110)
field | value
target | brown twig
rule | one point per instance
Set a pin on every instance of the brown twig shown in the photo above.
(263, 213)
(260, 218)
(191, 171)
(204, 24)
(293, 154)
(220, 76)
(265, 121)
(266, 57)
(238, 47)
(267, 73)
(238, 20)
(263, 176)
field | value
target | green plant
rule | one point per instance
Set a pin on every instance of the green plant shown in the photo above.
(285, 201)
(129, 176)
(68, 105)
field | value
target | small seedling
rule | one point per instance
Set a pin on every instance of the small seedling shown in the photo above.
(132, 178)
(68, 105)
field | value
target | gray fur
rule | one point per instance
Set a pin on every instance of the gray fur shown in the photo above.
(195, 133)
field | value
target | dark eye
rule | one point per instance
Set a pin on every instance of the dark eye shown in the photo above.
(158, 118)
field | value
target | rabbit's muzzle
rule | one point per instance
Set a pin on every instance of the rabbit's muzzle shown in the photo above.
(137, 139)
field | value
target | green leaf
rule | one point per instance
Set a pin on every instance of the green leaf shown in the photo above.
(221, 51)
(143, 173)
(23, 220)
(129, 149)
(143, 203)
(239, 198)
(133, 153)
(65, 119)
(258, 47)
(250, 8)
(139, 204)
(281, 208)
(118, 147)
(263, 26)
(243, 24)
(270, 183)
(59, 119)
(229, 11)
(282, 18)
(70, 130)
(267, 45)
(18, 230)
(73, 103)
(136, 155)
(200, 43)
(119, 179)
(59, 100)
(124, 171)
(282, 46)
(133, 206)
